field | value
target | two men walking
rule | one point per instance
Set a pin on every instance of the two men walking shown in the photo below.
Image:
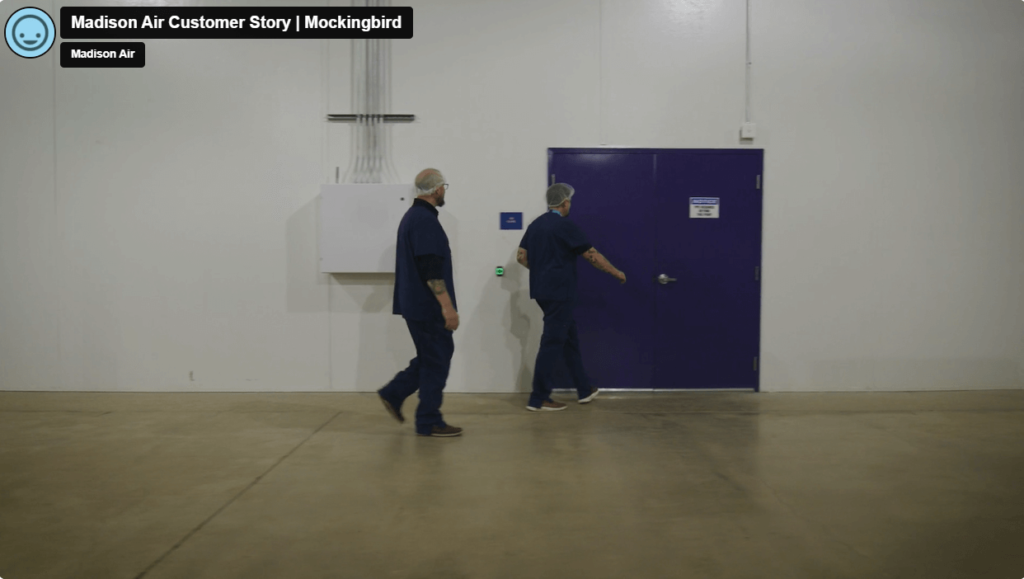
(425, 297)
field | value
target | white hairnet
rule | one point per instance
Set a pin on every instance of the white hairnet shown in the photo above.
(558, 193)
(428, 180)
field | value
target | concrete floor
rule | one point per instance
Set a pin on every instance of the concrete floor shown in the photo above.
(636, 485)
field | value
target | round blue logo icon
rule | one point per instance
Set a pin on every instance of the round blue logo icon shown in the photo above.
(30, 32)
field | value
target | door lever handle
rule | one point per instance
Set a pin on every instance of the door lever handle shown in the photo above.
(664, 279)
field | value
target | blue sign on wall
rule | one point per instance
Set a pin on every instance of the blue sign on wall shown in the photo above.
(511, 220)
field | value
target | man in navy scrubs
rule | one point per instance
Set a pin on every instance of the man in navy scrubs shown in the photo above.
(549, 250)
(425, 297)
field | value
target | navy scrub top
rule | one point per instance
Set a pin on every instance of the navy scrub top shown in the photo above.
(552, 244)
(420, 234)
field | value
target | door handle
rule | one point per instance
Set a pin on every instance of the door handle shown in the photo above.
(664, 279)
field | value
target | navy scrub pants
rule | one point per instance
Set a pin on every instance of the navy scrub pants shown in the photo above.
(558, 342)
(427, 372)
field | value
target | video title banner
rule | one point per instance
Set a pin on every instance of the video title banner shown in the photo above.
(235, 22)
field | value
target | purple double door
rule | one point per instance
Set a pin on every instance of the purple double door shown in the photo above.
(684, 225)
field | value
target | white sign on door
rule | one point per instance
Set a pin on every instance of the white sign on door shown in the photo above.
(704, 207)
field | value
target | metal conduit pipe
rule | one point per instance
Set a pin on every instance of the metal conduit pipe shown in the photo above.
(370, 160)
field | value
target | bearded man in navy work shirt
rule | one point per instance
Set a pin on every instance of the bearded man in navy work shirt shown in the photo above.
(549, 250)
(425, 297)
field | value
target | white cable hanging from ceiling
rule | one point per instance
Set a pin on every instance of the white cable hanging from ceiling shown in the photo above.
(371, 101)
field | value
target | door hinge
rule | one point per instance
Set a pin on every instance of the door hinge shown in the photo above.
(552, 178)
(757, 273)
(759, 182)
(755, 363)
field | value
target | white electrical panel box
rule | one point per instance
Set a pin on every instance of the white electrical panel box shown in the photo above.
(359, 226)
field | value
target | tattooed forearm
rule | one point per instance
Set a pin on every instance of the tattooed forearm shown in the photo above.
(597, 260)
(437, 286)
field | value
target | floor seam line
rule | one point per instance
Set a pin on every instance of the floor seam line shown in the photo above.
(822, 526)
(230, 502)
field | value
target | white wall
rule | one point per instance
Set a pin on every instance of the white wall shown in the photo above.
(892, 232)
(29, 233)
(158, 226)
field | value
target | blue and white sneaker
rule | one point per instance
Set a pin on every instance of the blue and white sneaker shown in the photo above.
(593, 394)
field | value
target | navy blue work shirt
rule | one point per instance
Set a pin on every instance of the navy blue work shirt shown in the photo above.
(420, 234)
(552, 243)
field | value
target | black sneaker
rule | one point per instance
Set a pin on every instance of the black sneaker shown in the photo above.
(547, 406)
(443, 431)
(391, 409)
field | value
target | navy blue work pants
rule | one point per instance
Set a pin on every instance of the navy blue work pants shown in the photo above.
(427, 372)
(558, 342)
